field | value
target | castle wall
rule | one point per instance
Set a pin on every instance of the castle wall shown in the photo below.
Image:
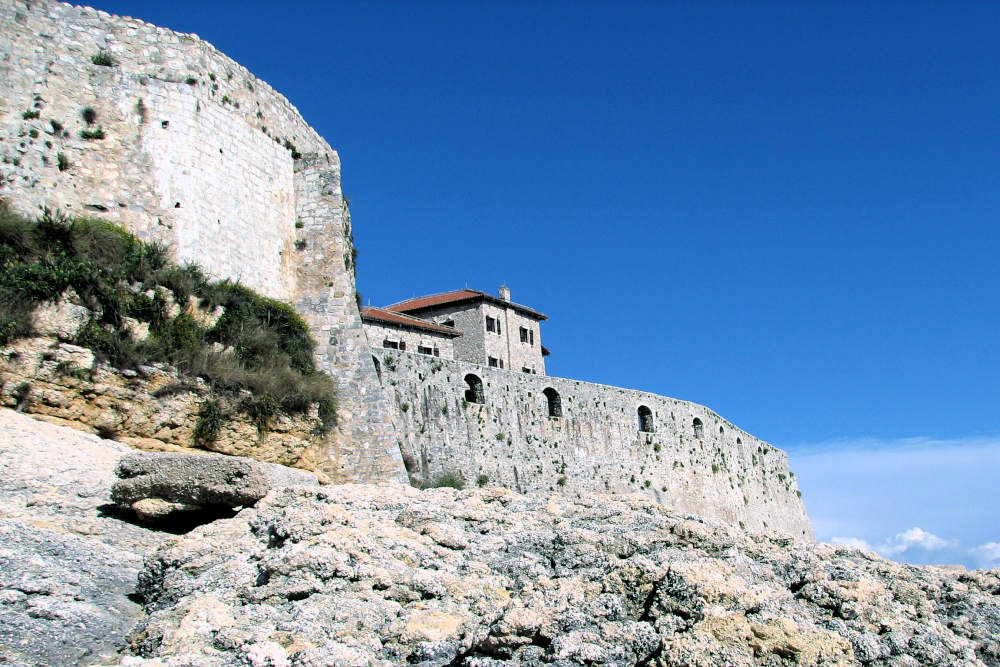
(199, 154)
(595, 446)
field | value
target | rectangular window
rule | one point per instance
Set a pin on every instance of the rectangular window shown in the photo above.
(501, 363)
(492, 324)
(531, 337)
(524, 335)
(423, 349)
(390, 344)
(402, 344)
(437, 352)
(526, 370)
(493, 362)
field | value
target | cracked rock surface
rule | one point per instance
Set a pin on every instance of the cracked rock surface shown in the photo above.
(365, 575)
(67, 567)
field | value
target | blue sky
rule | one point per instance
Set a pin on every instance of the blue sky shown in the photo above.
(785, 211)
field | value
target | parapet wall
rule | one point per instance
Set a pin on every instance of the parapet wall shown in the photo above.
(596, 445)
(187, 147)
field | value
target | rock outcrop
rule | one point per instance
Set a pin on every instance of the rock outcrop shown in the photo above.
(363, 575)
(151, 408)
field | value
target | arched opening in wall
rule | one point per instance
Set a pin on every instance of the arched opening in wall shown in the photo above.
(474, 392)
(739, 441)
(722, 431)
(378, 366)
(645, 419)
(553, 402)
(699, 428)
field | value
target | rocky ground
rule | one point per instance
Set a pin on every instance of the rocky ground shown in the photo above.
(364, 575)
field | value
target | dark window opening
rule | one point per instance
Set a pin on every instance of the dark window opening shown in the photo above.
(423, 349)
(492, 361)
(378, 366)
(449, 323)
(474, 393)
(525, 369)
(437, 352)
(645, 419)
(492, 324)
(722, 431)
(390, 344)
(553, 402)
(402, 344)
(699, 428)
(524, 335)
(531, 337)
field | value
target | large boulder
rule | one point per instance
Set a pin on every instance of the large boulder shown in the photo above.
(188, 479)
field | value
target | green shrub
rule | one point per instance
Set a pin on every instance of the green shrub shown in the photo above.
(104, 59)
(482, 480)
(452, 480)
(62, 161)
(211, 418)
(91, 135)
(265, 346)
(89, 115)
(31, 114)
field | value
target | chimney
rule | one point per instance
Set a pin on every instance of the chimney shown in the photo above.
(504, 293)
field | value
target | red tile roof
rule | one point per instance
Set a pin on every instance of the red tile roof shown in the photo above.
(433, 300)
(389, 317)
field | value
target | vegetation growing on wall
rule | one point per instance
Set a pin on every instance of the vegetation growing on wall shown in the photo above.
(258, 345)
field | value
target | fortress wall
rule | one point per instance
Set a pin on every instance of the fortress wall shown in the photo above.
(595, 446)
(194, 156)
(363, 447)
(189, 164)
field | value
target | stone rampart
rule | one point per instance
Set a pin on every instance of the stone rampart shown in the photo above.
(596, 445)
(158, 131)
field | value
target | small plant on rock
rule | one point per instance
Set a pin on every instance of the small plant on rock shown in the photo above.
(91, 135)
(31, 114)
(104, 59)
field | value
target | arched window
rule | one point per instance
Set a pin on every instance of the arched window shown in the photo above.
(553, 402)
(474, 394)
(645, 419)
(722, 431)
(699, 428)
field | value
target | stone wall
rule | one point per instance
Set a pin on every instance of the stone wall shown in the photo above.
(180, 144)
(378, 332)
(596, 445)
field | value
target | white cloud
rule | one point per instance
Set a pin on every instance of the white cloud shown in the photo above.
(988, 554)
(864, 491)
(853, 542)
(913, 538)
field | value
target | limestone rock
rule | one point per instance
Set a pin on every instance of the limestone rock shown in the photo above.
(67, 565)
(189, 479)
(389, 575)
(60, 318)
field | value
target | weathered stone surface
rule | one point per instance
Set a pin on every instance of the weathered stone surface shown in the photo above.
(155, 409)
(390, 575)
(67, 567)
(595, 446)
(60, 318)
(190, 479)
